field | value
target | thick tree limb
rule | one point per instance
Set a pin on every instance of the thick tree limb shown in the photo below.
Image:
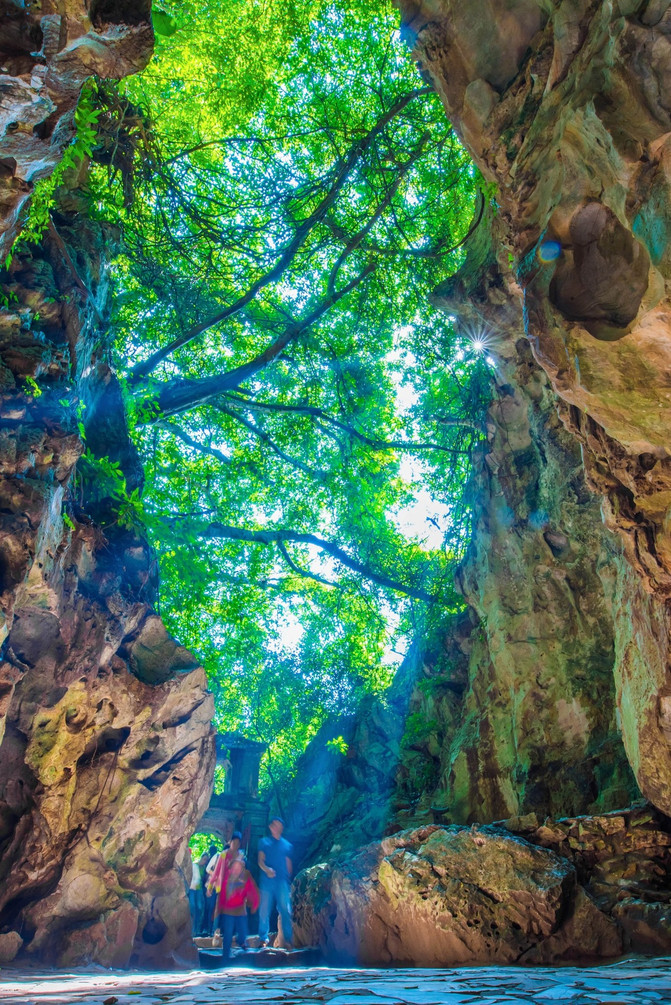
(178, 395)
(281, 537)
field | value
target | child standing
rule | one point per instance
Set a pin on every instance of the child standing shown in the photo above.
(238, 892)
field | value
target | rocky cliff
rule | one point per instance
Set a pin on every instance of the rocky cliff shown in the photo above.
(553, 696)
(538, 730)
(567, 108)
(106, 752)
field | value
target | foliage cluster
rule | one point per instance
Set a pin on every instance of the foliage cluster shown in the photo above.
(290, 193)
(78, 150)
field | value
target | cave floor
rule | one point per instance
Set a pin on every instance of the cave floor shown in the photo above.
(639, 982)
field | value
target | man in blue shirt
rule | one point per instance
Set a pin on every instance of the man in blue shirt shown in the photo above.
(275, 868)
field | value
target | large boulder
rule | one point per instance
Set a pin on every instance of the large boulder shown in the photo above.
(10, 944)
(439, 896)
(576, 889)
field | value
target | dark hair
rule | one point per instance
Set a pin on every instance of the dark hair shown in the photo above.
(273, 819)
(236, 835)
(212, 850)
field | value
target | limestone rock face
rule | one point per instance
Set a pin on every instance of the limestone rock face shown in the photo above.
(434, 897)
(437, 896)
(106, 747)
(511, 708)
(46, 54)
(624, 862)
(567, 107)
(538, 729)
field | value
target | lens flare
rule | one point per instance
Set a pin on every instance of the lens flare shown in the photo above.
(549, 251)
(479, 342)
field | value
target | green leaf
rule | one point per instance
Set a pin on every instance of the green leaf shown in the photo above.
(164, 24)
(35, 389)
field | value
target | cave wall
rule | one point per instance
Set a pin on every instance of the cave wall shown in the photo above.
(558, 700)
(538, 728)
(106, 745)
(566, 106)
(509, 710)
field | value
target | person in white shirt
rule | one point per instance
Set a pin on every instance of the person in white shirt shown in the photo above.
(210, 900)
(196, 894)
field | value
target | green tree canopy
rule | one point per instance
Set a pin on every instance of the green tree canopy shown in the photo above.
(290, 192)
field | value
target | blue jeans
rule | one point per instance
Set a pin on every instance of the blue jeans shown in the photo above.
(229, 923)
(275, 891)
(196, 903)
(210, 907)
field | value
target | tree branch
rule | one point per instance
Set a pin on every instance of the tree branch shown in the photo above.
(263, 435)
(375, 444)
(201, 447)
(280, 537)
(438, 250)
(384, 203)
(356, 151)
(299, 570)
(179, 395)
